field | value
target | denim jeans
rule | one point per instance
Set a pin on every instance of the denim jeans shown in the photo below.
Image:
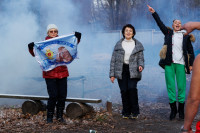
(129, 93)
(57, 90)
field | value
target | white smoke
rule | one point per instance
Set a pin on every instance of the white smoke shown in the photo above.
(22, 22)
(25, 21)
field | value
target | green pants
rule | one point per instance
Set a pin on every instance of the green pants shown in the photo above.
(178, 71)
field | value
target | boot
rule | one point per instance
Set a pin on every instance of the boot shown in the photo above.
(173, 111)
(181, 110)
(59, 114)
(50, 116)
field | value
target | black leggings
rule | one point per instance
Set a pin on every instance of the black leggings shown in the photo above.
(57, 90)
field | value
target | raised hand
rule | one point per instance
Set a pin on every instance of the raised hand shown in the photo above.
(151, 9)
(190, 26)
(78, 36)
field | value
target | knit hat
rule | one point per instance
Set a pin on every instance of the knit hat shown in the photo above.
(51, 26)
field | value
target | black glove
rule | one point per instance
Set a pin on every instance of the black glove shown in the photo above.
(31, 45)
(78, 35)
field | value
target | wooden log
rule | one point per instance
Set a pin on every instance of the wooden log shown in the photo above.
(30, 107)
(75, 109)
(33, 107)
(42, 105)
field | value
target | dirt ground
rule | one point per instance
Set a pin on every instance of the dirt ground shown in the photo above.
(153, 118)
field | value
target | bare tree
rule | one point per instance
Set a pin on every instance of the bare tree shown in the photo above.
(112, 13)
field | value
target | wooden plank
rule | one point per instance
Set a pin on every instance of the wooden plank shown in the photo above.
(33, 97)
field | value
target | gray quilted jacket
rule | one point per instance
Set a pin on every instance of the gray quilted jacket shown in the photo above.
(136, 59)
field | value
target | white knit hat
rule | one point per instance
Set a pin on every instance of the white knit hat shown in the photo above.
(51, 26)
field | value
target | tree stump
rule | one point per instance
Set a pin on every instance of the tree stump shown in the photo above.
(33, 107)
(75, 109)
(109, 107)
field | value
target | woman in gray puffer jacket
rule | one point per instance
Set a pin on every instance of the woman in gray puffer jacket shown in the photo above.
(126, 65)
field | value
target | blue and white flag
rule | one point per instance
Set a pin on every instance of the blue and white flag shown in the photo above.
(55, 52)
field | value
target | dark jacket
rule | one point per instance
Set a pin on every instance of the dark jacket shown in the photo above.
(136, 59)
(188, 51)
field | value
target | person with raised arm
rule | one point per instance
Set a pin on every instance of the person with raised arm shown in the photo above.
(177, 62)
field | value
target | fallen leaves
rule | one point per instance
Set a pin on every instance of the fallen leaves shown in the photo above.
(152, 117)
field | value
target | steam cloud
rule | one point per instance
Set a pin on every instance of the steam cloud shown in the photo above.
(25, 21)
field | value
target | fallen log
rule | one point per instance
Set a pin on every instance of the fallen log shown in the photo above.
(75, 109)
(33, 107)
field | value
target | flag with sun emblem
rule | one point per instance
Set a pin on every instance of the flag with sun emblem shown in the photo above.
(55, 52)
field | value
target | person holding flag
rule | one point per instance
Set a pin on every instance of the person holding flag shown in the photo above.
(56, 78)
